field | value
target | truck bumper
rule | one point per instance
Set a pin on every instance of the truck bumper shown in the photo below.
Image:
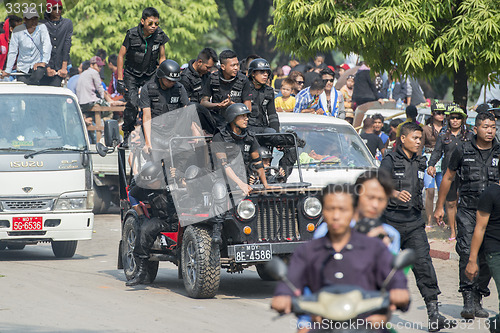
(276, 248)
(57, 227)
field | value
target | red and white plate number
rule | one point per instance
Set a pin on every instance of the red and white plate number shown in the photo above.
(27, 223)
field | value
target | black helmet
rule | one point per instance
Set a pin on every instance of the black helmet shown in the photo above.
(150, 173)
(265, 152)
(169, 69)
(259, 64)
(235, 110)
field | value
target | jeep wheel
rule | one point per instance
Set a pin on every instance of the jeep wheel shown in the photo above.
(16, 246)
(64, 249)
(264, 275)
(200, 262)
(128, 259)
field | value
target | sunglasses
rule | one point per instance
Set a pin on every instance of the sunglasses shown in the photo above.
(455, 117)
(300, 82)
(327, 80)
(151, 23)
(439, 112)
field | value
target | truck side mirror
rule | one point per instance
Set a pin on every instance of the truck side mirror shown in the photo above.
(111, 133)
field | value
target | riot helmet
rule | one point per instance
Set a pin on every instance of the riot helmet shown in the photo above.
(259, 64)
(235, 110)
(169, 69)
(265, 152)
(150, 173)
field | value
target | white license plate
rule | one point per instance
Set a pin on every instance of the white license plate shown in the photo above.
(252, 252)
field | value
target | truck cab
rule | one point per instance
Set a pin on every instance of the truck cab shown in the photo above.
(45, 169)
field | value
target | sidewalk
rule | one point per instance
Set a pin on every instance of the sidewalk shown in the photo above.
(441, 247)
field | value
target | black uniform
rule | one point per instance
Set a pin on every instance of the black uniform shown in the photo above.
(406, 217)
(445, 145)
(193, 82)
(263, 113)
(218, 89)
(141, 61)
(477, 169)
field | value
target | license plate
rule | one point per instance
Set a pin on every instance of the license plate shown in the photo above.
(27, 223)
(252, 252)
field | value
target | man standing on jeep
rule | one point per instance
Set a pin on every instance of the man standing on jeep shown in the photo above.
(139, 56)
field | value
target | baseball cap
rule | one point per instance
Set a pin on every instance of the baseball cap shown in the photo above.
(436, 106)
(53, 3)
(30, 13)
(345, 66)
(97, 60)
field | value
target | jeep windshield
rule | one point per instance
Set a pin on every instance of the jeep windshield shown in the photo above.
(331, 146)
(35, 122)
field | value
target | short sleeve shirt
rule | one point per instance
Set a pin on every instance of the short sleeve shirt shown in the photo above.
(225, 90)
(488, 203)
(145, 101)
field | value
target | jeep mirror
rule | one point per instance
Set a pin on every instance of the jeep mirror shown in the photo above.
(102, 150)
(111, 133)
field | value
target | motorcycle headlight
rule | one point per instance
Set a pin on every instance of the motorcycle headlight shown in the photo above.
(246, 209)
(75, 201)
(312, 207)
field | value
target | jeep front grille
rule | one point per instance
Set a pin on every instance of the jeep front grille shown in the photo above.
(19, 205)
(277, 220)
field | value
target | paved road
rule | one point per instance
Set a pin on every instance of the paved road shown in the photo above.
(39, 293)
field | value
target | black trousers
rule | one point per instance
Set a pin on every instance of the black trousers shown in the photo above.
(54, 81)
(133, 84)
(207, 121)
(34, 77)
(413, 237)
(466, 222)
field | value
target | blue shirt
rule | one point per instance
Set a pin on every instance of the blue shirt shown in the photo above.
(304, 100)
(29, 49)
(394, 247)
(71, 85)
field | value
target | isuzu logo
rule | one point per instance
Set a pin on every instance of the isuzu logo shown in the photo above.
(27, 189)
(26, 164)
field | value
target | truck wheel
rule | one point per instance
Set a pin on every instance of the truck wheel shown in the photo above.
(102, 199)
(264, 275)
(200, 260)
(64, 249)
(16, 246)
(128, 259)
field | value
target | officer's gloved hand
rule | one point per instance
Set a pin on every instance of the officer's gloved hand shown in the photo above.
(120, 87)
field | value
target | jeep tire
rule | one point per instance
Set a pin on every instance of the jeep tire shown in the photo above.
(128, 259)
(200, 260)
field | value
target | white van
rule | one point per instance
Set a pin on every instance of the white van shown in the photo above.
(45, 169)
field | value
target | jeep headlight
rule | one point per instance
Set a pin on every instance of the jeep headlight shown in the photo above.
(312, 207)
(75, 201)
(246, 209)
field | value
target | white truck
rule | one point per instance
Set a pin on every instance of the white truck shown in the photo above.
(45, 169)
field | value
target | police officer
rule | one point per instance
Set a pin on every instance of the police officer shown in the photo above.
(139, 57)
(147, 186)
(477, 164)
(226, 87)
(193, 78)
(404, 212)
(263, 113)
(236, 132)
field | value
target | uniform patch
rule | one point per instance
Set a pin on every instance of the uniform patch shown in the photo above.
(494, 162)
(155, 47)
(265, 102)
(421, 174)
(235, 93)
(247, 147)
(469, 160)
(174, 100)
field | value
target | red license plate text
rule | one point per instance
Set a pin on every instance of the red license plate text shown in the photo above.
(26, 223)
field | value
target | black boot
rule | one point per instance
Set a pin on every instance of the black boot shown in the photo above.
(436, 320)
(468, 310)
(478, 309)
(140, 275)
(126, 136)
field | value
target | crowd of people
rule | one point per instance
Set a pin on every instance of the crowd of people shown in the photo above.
(235, 99)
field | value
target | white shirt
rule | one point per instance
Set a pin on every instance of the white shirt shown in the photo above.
(28, 48)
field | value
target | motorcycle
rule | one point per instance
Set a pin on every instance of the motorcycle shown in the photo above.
(340, 305)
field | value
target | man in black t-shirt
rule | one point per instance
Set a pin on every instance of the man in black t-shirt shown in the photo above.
(476, 162)
(487, 232)
(226, 87)
(372, 140)
(137, 62)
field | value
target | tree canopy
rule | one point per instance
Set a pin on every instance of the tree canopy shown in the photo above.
(460, 38)
(103, 24)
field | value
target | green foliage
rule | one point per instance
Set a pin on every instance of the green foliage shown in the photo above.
(425, 37)
(103, 24)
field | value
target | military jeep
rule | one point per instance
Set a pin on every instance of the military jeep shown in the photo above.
(215, 226)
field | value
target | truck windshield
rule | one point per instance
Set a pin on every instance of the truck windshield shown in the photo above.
(35, 122)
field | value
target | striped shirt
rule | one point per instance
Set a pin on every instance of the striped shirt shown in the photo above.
(304, 100)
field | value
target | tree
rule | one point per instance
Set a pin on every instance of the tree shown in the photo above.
(244, 24)
(460, 38)
(103, 24)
